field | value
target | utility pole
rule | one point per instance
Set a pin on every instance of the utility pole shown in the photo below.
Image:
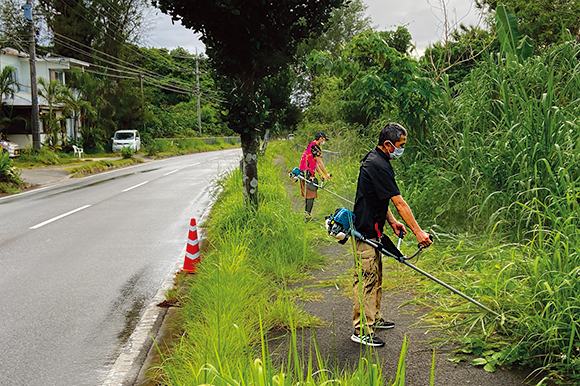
(198, 92)
(142, 99)
(35, 119)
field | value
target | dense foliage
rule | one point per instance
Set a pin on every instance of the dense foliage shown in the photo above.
(496, 161)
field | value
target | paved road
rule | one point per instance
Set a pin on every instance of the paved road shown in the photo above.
(80, 259)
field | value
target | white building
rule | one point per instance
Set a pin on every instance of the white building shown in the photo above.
(49, 68)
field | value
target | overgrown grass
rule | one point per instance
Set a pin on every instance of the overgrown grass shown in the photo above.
(101, 166)
(45, 157)
(239, 294)
(498, 184)
(165, 148)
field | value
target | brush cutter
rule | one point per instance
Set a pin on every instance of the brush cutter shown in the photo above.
(297, 174)
(340, 226)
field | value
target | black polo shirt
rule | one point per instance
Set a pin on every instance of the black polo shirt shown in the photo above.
(375, 187)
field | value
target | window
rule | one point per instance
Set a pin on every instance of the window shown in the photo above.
(14, 78)
(57, 75)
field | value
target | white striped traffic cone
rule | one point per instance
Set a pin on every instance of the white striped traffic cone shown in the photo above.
(192, 249)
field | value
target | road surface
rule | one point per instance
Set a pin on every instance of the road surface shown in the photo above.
(80, 260)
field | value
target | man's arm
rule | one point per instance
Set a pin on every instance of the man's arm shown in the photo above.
(407, 216)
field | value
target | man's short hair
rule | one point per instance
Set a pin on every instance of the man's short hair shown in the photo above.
(392, 132)
(319, 135)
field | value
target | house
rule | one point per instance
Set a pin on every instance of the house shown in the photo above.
(49, 68)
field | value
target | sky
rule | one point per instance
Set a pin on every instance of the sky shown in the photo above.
(424, 19)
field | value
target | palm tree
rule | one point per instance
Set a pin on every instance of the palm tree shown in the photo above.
(93, 90)
(8, 85)
(74, 105)
(53, 92)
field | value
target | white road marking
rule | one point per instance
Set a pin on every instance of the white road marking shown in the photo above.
(59, 217)
(133, 187)
(176, 170)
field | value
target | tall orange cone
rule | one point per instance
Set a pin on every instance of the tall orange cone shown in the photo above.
(192, 249)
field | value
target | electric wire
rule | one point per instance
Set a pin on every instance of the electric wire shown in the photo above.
(159, 83)
(135, 68)
(112, 37)
(168, 85)
(154, 78)
(123, 43)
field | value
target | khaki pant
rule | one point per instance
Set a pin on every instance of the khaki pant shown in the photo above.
(369, 265)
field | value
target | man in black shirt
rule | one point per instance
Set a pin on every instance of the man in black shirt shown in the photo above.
(375, 188)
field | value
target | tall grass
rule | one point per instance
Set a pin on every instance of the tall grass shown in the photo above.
(163, 147)
(503, 163)
(498, 182)
(238, 296)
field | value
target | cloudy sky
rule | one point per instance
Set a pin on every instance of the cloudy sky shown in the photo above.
(423, 17)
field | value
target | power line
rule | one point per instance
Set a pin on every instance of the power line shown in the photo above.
(132, 68)
(118, 59)
(106, 34)
(108, 75)
(159, 83)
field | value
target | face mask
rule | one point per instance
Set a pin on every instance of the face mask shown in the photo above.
(397, 153)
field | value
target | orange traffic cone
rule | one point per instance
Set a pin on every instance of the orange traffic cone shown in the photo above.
(192, 249)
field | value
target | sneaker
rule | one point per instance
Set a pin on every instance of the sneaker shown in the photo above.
(367, 340)
(307, 217)
(383, 324)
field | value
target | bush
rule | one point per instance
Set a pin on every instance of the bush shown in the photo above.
(8, 174)
(127, 152)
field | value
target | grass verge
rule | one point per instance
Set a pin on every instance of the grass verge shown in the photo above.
(101, 166)
(239, 294)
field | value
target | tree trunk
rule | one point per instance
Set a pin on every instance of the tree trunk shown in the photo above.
(250, 146)
(75, 128)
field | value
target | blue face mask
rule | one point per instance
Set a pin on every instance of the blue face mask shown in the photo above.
(397, 153)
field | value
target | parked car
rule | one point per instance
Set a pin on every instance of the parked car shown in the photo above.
(126, 138)
(11, 148)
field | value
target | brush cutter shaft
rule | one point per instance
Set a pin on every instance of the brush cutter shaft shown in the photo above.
(300, 176)
(403, 260)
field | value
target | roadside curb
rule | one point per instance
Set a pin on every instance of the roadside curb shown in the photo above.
(132, 363)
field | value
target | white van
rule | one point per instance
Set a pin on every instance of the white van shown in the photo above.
(126, 138)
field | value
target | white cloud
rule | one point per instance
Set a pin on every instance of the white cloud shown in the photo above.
(164, 34)
(423, 17)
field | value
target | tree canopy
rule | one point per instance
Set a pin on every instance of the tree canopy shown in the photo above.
(542, 20)
(248, 44)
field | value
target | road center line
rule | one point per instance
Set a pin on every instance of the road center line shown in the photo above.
(59, 217)
(176, 170)
(133, 187)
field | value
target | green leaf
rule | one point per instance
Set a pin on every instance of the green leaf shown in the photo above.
(525, 48)
(507, 28)
(479, 362)
(489, 367)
